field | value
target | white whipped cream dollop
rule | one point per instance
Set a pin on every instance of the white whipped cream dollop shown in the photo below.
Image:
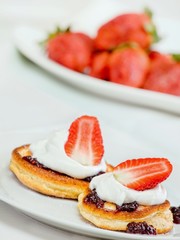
(110, 190)
(50, 152)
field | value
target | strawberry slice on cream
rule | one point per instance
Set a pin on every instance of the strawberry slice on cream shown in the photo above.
(144, 173)
(85, 143)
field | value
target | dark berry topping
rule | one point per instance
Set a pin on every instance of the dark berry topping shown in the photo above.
(176, 214)
(93, 198)
(128, 207)
(88, 179)
(140, 228)
(33, 161)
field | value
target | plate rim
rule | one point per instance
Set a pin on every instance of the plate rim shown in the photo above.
(95, 232)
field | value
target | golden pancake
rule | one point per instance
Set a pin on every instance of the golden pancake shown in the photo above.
(108, 217)
(44, 180)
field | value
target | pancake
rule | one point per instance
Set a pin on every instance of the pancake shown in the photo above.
(44, 180)
(106, 215)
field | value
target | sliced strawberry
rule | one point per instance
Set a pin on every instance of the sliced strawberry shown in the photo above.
(85, 143)
(144, 173)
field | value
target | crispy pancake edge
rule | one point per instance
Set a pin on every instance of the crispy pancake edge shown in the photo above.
(44, 181)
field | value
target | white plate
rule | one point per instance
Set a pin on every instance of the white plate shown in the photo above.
(27, 39)
(64, 213)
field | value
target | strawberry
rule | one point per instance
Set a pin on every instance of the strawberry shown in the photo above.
(143, 173)
(128, 66)
(130, 27)
(85, 143)
(99, 65)
(159, 61)
(88, 40)
(164, 74)
(71, 49)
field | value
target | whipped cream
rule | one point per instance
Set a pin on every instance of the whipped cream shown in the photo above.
(50, 152)
(110, 190)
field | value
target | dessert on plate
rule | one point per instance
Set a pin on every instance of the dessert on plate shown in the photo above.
(130, 198)
(63, 164)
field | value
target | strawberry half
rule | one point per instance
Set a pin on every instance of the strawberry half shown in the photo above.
(85, 143)
(144, 173)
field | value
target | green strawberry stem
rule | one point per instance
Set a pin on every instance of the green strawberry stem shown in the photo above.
(56, 32)
(148, 12)
(176, 57)
(125, 45)
(150, 27)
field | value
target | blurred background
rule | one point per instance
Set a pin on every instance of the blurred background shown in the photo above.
(39, 12)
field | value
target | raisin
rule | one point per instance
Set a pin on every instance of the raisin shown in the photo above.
(140, 228)
(93, 198)
(88, 179)
(176, 214)
(128, 207)
(33, 161)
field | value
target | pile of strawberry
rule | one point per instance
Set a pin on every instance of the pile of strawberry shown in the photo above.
(119, 53)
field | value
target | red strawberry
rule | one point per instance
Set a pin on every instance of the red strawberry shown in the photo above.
(99, 66)
(159, 61)
(128, 66)
(157, 57)
(165, 81)
(88, 40)
(131, 27)
(85, 143)
(164, 74)
(144, 173)
(73, 50)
